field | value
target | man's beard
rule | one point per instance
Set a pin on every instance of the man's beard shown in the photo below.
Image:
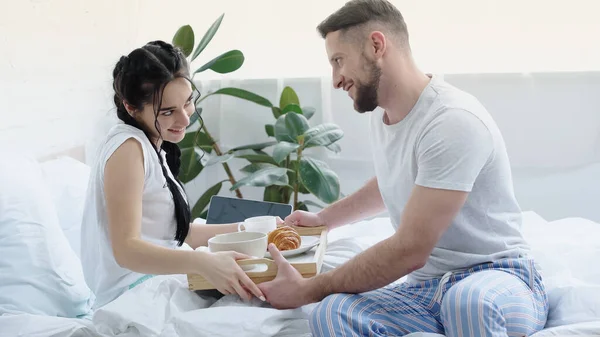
(366, 93)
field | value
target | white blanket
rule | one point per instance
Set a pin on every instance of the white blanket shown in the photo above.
(163, 306)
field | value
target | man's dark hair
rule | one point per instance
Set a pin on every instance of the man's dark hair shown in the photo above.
(357, 13)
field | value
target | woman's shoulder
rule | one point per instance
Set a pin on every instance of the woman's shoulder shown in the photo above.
(121, 130)
(120, 134)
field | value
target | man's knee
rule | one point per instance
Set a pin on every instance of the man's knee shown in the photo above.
(323, 315)
(466, 312)
(334, 312)
(486, 303)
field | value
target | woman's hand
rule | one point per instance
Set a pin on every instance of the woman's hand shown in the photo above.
(222, 271)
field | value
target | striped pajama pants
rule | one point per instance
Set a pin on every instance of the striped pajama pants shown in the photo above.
(502, 298)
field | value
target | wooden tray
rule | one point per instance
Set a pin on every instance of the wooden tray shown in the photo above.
(307, 264)
(310, 231)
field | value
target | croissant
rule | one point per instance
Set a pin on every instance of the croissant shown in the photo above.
(285, 238)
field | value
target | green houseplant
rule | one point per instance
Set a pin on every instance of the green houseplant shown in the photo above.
(284, 173)
(288, 170)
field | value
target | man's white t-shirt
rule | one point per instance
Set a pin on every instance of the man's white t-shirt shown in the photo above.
(449, 141)
(103, 275)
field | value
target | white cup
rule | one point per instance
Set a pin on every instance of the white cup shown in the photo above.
(249, 243)
(261, 224)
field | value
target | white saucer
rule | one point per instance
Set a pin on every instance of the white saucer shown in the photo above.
(308, 242)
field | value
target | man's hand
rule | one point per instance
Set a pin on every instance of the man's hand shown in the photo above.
(304, 219)
(289, 289)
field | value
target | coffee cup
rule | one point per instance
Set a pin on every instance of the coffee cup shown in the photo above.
(250, 243)
(261, 224)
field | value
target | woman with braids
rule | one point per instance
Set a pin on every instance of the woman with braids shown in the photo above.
(137, 215)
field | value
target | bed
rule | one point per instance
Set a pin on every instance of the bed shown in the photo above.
(566, 249)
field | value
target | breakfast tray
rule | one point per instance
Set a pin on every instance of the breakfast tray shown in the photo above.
(307, 264)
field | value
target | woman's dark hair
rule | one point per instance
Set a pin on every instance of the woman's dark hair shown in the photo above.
(140, 79)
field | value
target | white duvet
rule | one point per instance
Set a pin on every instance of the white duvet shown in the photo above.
(163, 306)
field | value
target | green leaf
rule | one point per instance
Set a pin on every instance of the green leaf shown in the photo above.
(244, 94)
(208, 36)
(190, 165)
(296, 125)
(195, 117)
(270, 130)
(302, 189)
(204, 200)
(276, 193)
(253, 167)
(322, 135)
(264, 177)
(184, 39)
(301, 206)
(219, 159)
(289, 126)
(255, 156)
(224, 63)
(292, 107)
(196, 138)
(335, 147)
(288, 96)
(283, 149)
(258, 146)
(293, 167)
(308, 112)
(320, 180)
(204, 214)
(276, 112)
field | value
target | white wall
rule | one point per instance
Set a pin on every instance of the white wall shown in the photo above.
(56, 56)
(550, 123)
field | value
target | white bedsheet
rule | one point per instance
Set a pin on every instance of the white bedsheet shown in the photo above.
(25, 325)
(163, 306)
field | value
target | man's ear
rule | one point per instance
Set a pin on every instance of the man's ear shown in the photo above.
(378, 43)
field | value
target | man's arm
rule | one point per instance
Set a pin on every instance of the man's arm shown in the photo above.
(450, 156)
(426, 217)
(361, 204)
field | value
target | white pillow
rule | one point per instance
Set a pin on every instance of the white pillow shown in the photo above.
(567, 251)
(67, 181)
(41, 274)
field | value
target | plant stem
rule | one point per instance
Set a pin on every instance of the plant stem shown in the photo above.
(225, 165)
(297, 182)
(286, 193)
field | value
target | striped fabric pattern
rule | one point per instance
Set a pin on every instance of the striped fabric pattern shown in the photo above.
(502, 298)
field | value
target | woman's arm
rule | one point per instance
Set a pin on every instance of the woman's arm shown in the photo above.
(123, 187)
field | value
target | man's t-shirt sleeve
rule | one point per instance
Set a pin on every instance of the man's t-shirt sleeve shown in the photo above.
(452, 151)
